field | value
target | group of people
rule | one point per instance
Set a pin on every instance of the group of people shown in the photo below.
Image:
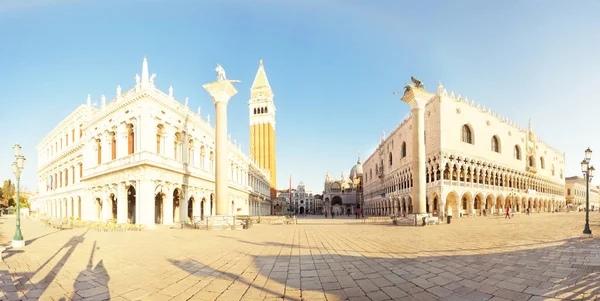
(358, 214)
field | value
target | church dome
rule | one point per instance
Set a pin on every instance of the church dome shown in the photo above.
(357, 170)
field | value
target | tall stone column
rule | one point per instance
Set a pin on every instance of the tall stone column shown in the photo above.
(221, 91)
(416, 97)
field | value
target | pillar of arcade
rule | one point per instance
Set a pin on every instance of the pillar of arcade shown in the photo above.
(221, 91)
(416, 97)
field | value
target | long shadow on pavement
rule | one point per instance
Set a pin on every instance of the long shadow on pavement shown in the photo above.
(567, 271)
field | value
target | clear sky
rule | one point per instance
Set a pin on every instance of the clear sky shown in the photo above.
(333, 66)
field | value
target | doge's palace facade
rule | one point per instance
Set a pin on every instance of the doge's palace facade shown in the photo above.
(474, 159)
(143, 158)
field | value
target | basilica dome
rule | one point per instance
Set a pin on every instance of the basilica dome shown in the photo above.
(357, 170)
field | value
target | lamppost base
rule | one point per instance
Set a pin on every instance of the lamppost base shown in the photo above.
(18, 244)
(587, 235)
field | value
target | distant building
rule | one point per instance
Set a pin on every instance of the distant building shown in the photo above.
(575, 194)
(279, 206)
(318, 204)
(344, 196)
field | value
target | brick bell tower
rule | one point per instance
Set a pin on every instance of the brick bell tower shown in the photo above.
(262, 126)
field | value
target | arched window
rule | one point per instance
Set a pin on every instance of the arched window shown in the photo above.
(191, 152)
(390, 159)
(467, 134)
(254, 110)
(542, 163)
(178, 147)
(371, 173)
(403, 151)
(266, 110)
(552, 169)
(159, 143)
(202, 155)
(531, 161)
(99, 148)
(517, 152)
(130, 139)
(113, 146)
(495, 144)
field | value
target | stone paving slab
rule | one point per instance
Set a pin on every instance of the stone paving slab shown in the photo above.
(536, 257)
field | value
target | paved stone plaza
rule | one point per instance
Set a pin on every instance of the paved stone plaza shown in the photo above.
(535, 257)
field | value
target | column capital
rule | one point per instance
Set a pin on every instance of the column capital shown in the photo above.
(221, 91)
(416, 98)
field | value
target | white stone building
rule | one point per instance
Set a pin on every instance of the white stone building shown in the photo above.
(142, 157)
(575, 194)
(474, 159)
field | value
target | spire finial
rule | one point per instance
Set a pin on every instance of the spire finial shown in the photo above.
(261, 62)
(145, 76)
(89, 100)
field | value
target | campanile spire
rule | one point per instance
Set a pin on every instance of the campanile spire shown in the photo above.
(262, 125)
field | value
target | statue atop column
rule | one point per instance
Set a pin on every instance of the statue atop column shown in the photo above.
(170, 91)
(152, 78)
(187, 99)
(137, 79)
(417, 84)
(118, 90)
(199, 110)
(220, 73)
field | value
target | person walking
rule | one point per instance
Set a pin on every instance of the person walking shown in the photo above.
(357, 213)
(507, 212)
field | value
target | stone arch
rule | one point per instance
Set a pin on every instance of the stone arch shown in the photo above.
(98, 205)
(435, 202)
(79, 207)
(190, 208)
(466, 203)
(490, 201)
(202, 204)
(467, 134)
(177, 197)
(130, 138)
(452, 204)
(479, 202)
(517, 152)
(500, 202)
(158, 207)
(213, 208)
(131, 204)
(496, 146)
(113, 206)
(160, 139)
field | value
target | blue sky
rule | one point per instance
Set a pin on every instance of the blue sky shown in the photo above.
(333, 66)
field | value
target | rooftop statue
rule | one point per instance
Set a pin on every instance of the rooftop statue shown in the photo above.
(152, 78)
(137, 79)
(220, 73)
(170, 91)
(416, 84)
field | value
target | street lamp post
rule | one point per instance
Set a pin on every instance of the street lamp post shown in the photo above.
(18, 241)
(588, 174)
